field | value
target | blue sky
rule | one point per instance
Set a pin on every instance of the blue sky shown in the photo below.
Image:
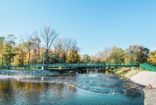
(95, 24)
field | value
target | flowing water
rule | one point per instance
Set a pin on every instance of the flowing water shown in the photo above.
(51, 88)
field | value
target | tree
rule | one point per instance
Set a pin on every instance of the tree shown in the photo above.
(104, 56)
(136, 54)
(1, 49)
(48, 35)
(72, 56)
(152, 58)
(59, 50)
(62, 47)
(36, 48)
(28, 45)
(117, 55)
(20, 57)
(9, 52)
(85, 58)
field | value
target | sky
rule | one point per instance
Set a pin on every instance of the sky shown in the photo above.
(94, 24)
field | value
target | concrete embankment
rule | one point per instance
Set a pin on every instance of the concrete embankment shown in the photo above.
(147, 79)
(150, 97)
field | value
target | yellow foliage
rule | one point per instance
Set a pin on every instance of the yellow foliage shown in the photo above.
(152, 58)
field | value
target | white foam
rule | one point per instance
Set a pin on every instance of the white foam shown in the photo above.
(17, 77)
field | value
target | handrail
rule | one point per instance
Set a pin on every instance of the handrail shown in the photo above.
(80, 65)
(148, 67)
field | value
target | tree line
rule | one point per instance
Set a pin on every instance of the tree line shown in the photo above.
(42, 47)
(135, 54)
(45, 47)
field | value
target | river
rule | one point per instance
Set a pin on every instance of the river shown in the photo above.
(51, 88)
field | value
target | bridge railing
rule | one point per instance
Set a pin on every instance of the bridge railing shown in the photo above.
(77, 65)
(148, 67)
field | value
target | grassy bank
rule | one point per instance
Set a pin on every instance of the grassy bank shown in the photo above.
(127, 72)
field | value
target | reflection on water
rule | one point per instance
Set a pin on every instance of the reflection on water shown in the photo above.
(25, 93)
(81, 89)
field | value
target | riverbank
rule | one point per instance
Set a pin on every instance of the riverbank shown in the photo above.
(148, 79)
(145, 78)
(127, 72)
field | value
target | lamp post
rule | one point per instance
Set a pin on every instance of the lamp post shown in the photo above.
(131, 57)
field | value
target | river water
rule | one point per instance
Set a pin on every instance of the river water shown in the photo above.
(51, 88)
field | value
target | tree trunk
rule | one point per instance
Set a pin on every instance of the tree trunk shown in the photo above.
(38, 54)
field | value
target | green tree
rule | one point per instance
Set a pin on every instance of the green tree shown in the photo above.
(117, 55)
(9, 52)
(28, 45)
(20, 57)
(136, 54)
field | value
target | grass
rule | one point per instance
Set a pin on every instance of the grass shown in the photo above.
(127, 72)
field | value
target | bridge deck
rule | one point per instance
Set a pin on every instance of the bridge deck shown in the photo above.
(73, 66)
(79, 65)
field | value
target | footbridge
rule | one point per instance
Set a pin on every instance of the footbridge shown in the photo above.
(88, 66)
(148, 67)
